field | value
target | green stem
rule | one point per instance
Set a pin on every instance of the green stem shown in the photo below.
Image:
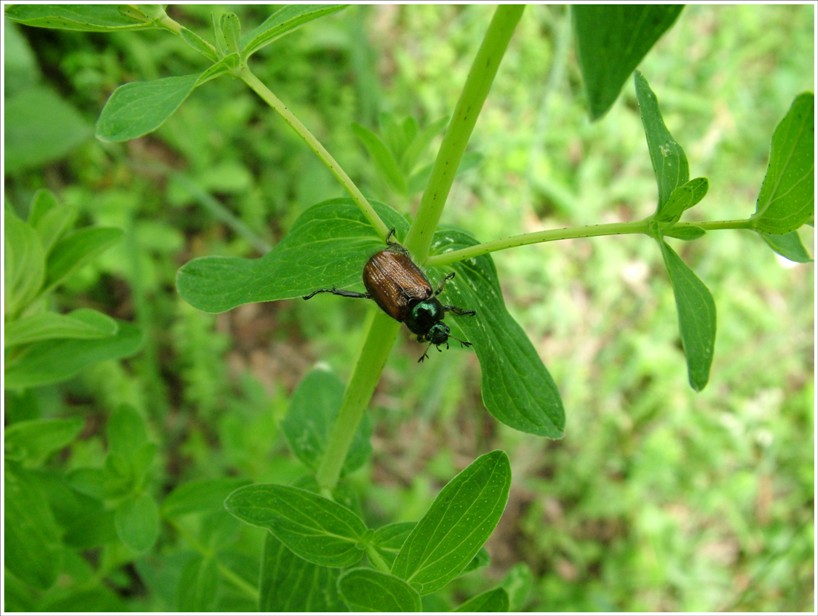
(476, 89)
(246, 75)
(569, 233)
(380, 337)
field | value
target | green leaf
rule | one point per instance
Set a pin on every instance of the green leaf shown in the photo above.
(327, 246)
(787, 197)
(41, 127)
(79, 324)
(23, 264)
(517, 583)
(81, 17)
(366, 590)
(200, 496)
(48, 362)
(137, 522)
(32, 547)
(688, 232)
(682, 198)
(458, 523)
(291, 584)
(199, 585)
(313, 408)
(136, 109)
(230, 31)
(50, 219)
(314, 528)
(788, 245)
(283, 21)
(31, 442)
(382, 157)
(126, 430)
(76, 250)
(389, 539)
(611, 40)
(668, 157)
(517, 388)
(494, 600)
(198, 43)
(697, 317)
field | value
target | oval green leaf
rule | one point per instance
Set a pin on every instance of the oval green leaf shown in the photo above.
(81, 17)
(666, 155)
(283, 21)
(516, 386)
(314, 528)
(787, 197)
(313, 408)
(611, 40)
(291, 584)
(697, 317)
(32, 441)
(327, 246)
(137, 522)
(138, 108)
(79, 324)
(494, 600)
(366, 590)
(458, 523)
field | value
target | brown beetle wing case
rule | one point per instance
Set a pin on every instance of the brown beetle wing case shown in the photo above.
(395, 283)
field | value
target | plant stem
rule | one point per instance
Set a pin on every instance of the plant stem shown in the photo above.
(381, 333)
(552, 235)
(476, 89)
(255, 84)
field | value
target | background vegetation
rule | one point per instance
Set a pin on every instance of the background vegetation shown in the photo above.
(657, 498)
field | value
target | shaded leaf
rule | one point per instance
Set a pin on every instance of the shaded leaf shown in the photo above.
(787, 197)
(200, 496)
(23, 264)
(79, 324)
(32, 549)
(494, 600)
(76, 250)
(517, 388)
(283, 21)
(682, 198)
(32, 441)
(611, 41)
(40, 127)
(137, 522)
(460, 520)
(49, 218)
(199, 585)
(45, 362)
(697, 317)
(327, 246)
(138, 108)
(312, 412)
(367, 590)
(666, 155)
(81, 17)
(314, 528)
(688, 232)
(291, 584)
(787, 245)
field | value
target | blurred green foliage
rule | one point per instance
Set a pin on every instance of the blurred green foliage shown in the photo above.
(657, 498)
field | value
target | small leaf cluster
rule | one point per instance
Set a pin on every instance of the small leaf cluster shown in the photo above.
(41, 253)
(316, 538)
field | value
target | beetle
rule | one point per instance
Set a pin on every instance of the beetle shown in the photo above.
(402, 290)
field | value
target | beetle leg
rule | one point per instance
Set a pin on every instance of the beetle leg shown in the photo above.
(459, 311)
(340, 292)
(390, 235)
(425, 353)
(443, 283)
